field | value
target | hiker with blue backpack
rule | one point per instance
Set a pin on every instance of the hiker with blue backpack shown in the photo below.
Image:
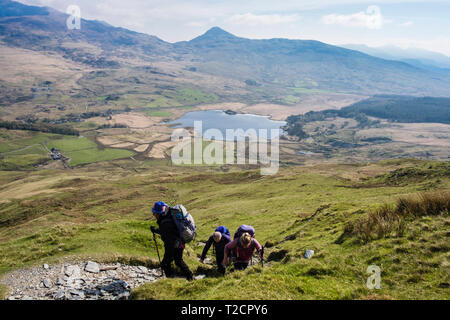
(241, 249)
(220, 238)
(176, 227)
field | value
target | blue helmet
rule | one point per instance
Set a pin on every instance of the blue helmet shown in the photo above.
(160, 207)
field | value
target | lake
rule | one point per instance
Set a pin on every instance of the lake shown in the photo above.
(218, 119)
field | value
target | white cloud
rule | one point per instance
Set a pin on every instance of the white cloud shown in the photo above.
(251, 19)
(372, 19)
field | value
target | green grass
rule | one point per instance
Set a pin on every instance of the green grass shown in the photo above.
(87, 125)
(9, 141)
(81, 150)
(108, 217)
(308, 91)
(156, 113)
(161, 102)
(72, 144)
(22, 162)
(23, 153)
(290, 100)
(190, 96)
(181, 97)
(96, 155)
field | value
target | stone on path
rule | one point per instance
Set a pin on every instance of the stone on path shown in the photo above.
(142, 269)
(92, 267)
(47, 283)
(108, 268)
(60, 295)
(73, 271)
(78, 293)
(45, 266)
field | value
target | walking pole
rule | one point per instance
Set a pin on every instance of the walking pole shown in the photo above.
(157, 251)
(262, 256)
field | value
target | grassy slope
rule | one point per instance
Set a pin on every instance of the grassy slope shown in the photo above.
(107, 218)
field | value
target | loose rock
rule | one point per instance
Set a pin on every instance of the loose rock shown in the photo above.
(92, 267)
(47, 283)
(78, 281)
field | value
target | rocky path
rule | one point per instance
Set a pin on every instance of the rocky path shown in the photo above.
(78, 281)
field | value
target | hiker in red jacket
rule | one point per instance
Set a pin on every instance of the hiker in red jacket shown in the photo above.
(243, 248)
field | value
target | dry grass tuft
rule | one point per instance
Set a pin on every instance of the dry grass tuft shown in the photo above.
(390, 220)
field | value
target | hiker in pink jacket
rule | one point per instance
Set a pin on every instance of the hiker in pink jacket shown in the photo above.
(242, 249)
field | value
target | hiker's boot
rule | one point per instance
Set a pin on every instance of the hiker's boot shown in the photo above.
(221, 270)
(168, 272)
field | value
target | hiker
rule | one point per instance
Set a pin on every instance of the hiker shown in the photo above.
(220, 238)
(170, 235)
(242, 248)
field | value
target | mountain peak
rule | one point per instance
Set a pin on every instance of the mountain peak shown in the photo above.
(216, 32)
(213, 35)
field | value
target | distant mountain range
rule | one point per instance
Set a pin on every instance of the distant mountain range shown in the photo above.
(414, 56)
(308, 64)
(302, 66)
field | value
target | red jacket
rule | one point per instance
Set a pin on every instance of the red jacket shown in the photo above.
(242, 254)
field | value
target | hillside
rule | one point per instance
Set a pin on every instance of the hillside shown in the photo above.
(45, 29)
(403, 108)
(300, 208)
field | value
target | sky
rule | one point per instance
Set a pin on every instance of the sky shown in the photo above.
(402, 23)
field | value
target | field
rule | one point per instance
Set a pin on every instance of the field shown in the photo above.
(33, 149)
(300, 208)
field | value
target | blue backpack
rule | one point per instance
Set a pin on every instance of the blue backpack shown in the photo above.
(243, 229)
(223, 230)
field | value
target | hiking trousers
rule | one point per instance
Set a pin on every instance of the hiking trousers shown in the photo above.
(219, 260)
(240, 265)
(174, 254)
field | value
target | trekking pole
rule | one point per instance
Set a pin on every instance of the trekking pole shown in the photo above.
(157, 251)
(262, 256)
